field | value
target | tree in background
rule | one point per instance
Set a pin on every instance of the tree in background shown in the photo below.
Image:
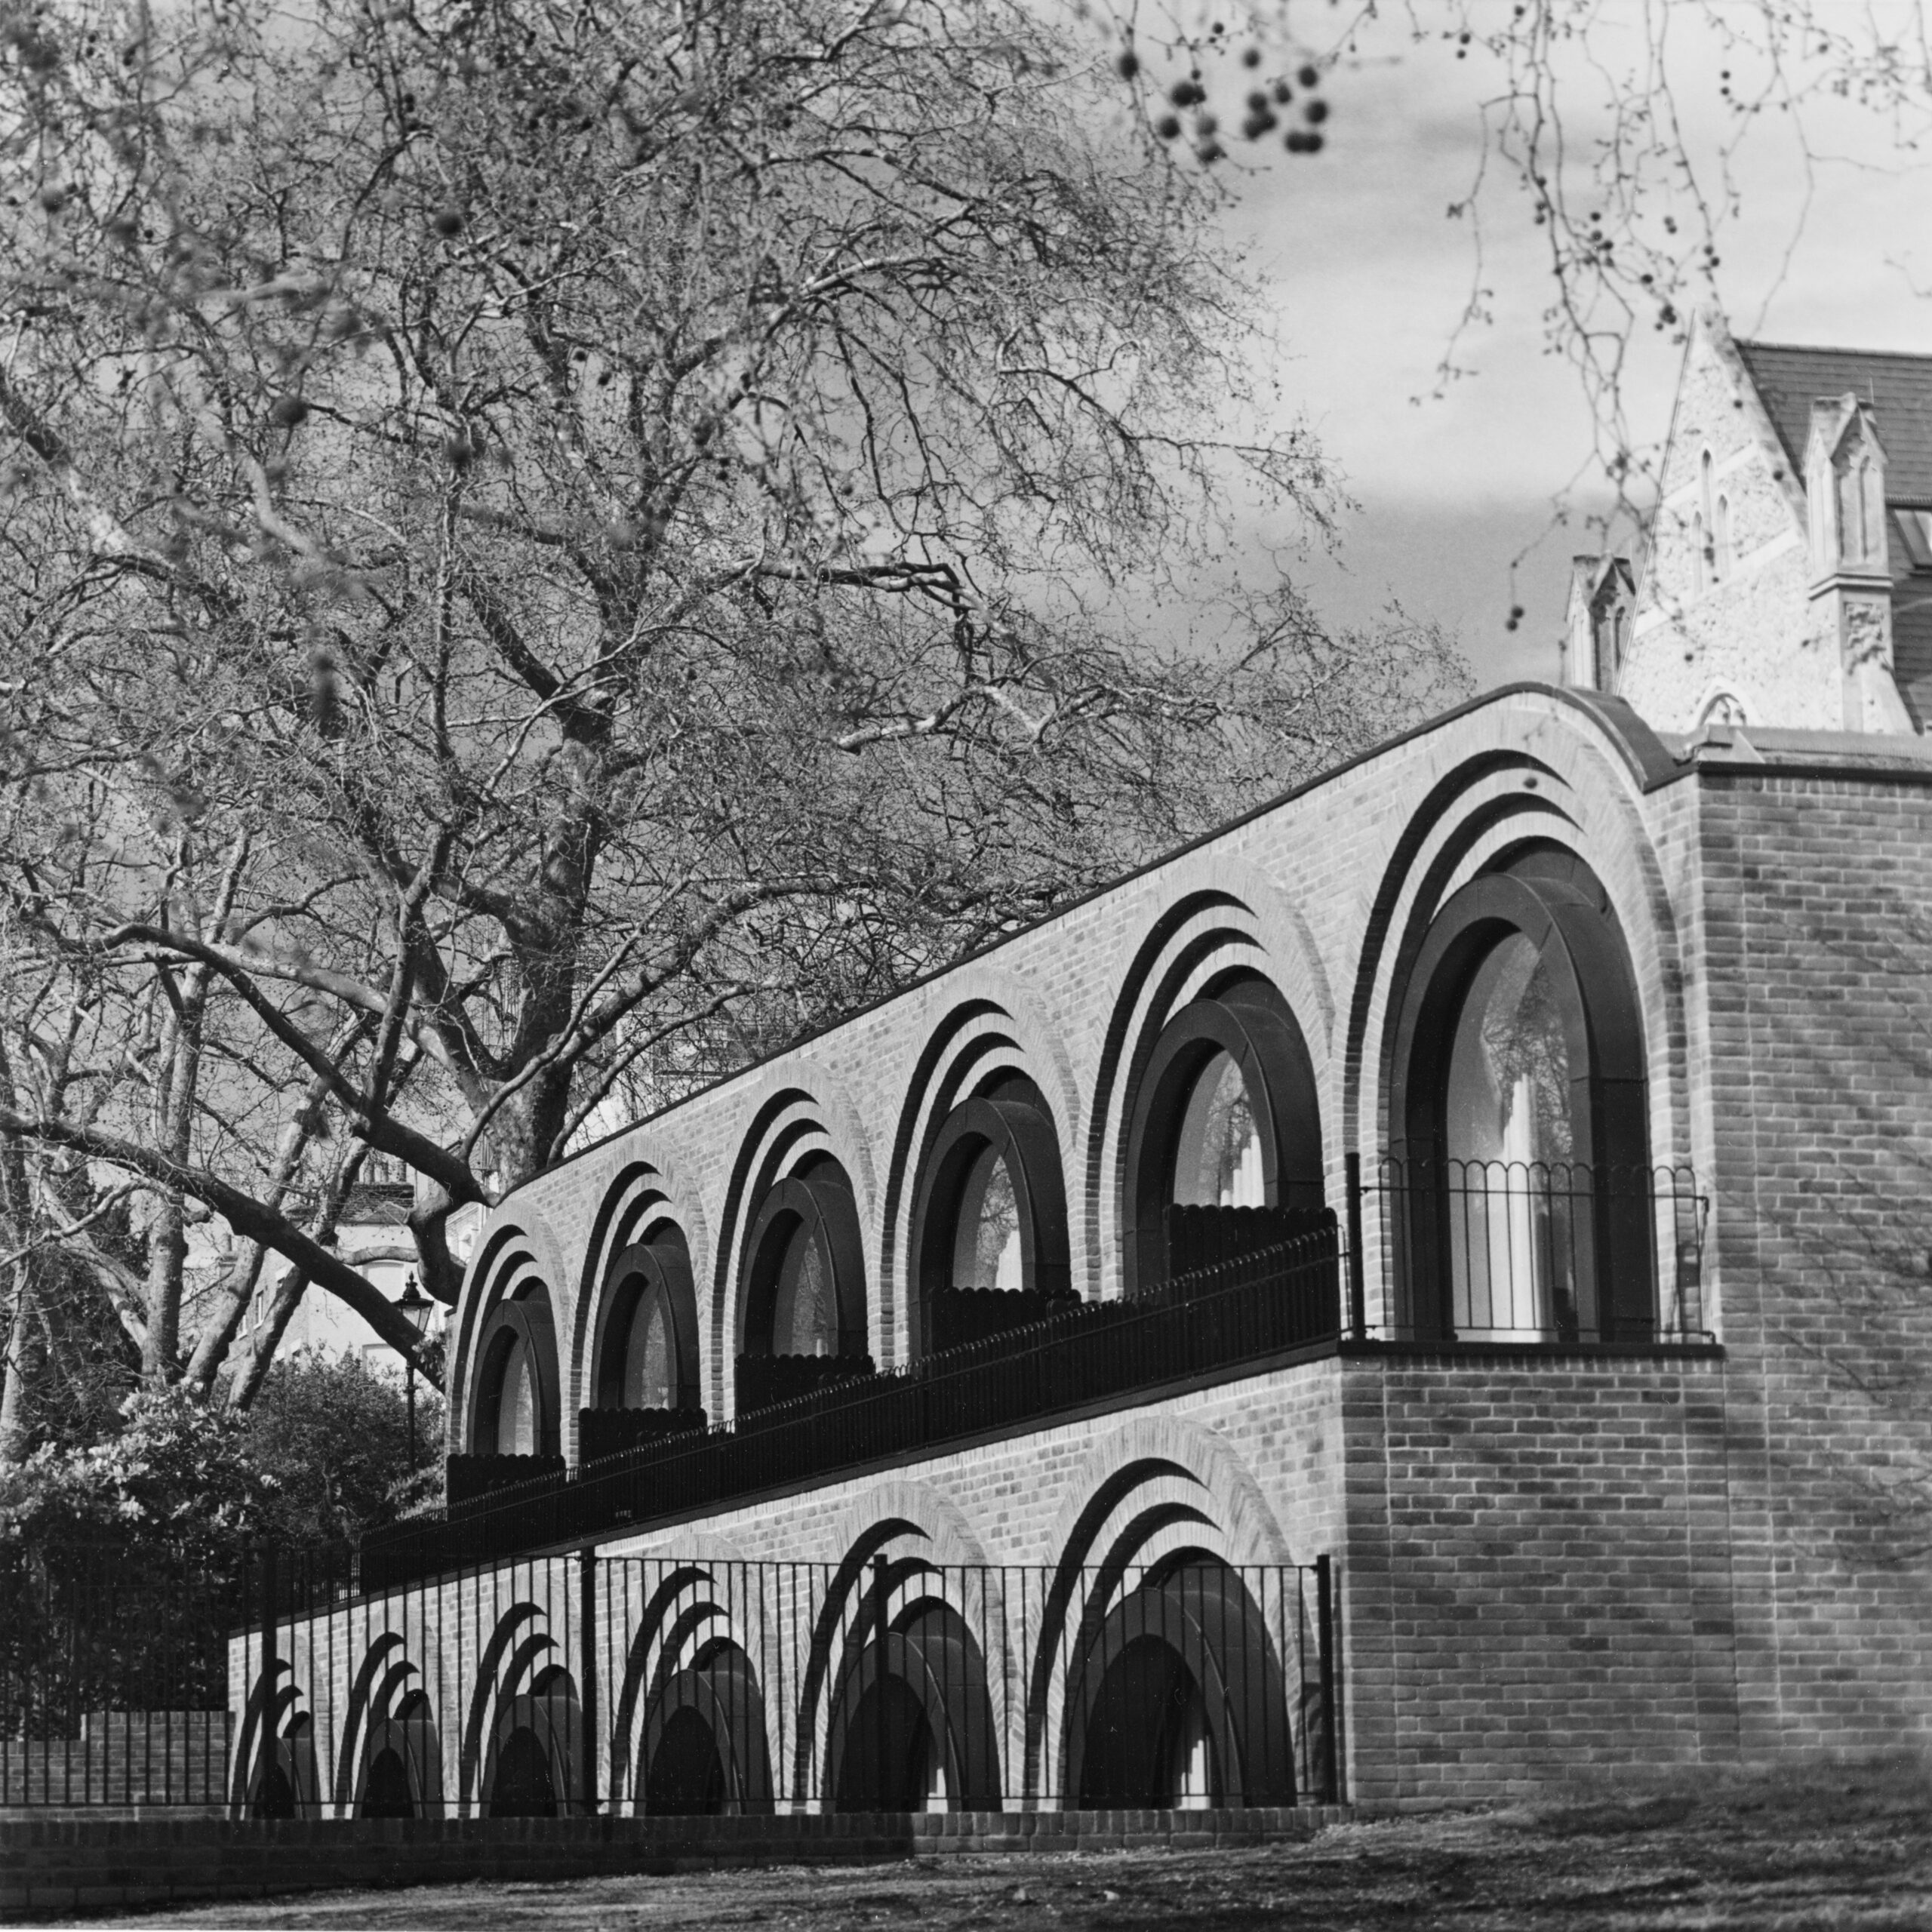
(321, 1456)
(553, 549)
(332, 1434)
(1635, 138)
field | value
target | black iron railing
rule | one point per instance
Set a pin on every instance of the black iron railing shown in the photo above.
(1255, 1305)
(1550, 1251)
(573, 1682)
(624, 1685)
(114, 1679)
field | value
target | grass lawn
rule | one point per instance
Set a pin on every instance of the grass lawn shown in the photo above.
(1839, 1847)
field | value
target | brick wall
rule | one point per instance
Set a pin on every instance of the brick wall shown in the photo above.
(1539, 1576)
(1819, 991)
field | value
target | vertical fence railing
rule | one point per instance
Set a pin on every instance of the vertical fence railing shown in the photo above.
(583, 1682)
(114, 1689)
(897, 1684)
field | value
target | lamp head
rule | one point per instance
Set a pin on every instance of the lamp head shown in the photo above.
(414, 1303)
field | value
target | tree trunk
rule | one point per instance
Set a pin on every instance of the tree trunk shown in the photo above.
(253, 1361)
(17, 1370)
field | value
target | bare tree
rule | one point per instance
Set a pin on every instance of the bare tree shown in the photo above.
(553, 549)
(1635, 139)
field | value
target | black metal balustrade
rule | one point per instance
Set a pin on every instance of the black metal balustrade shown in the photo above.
(1253, 1306)
(678, 1686)
(1538, 1251)
(573, 1682)
(114, 1679)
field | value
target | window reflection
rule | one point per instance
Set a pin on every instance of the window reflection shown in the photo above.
(804, 1321)
(1518, 1202)
(516, 1410)
(651, 1357)
(1217, 1160)
(986, 1248)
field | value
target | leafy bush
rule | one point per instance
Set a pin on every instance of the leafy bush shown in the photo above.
(177, 1482)
(332, 1435)
(322, 1455)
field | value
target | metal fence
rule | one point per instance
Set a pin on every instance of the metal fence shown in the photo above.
(1244, 1309)
(1551, 1251)
(577, 1683)
(114, 1680)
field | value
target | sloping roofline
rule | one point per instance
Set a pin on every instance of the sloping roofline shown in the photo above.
(1789, 376)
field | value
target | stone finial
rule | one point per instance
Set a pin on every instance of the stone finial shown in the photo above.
(1844, 477)
(1596, 625)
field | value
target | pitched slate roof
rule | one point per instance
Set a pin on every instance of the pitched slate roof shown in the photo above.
(1898, 387)
(1911, 648)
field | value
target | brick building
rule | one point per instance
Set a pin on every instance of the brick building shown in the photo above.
(1421, 1291)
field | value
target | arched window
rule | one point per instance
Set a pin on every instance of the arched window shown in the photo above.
(803, 1303)
(646, 1349)
(1701, 545)
(1224, 1142)
(805, 1312)
(1721, 558)
(1521, 1106)
(647, 1355)
(989, 1218)
(515, 1412)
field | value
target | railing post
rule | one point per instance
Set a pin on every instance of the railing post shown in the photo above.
(1331, 1674)
(587, 1672)
(881, 1724)
(1357, 1294)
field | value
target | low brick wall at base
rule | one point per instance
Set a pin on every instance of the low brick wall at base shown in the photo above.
(68, 1866)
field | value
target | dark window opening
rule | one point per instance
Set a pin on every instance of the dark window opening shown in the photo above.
(1223, 1151)
(686, 1774)
(523, 1787)
(646, 1349)
(990, 1231)
(387, 1794)
(803, 1322)
(515, 1412)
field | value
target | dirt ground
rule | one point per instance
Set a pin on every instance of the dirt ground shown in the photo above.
(1838, 1848)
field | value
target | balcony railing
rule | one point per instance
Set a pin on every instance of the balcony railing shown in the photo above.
(1537, 1251)
(1466, 1252)
(1214, 1319)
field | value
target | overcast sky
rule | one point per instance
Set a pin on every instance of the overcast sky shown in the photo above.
(1371, 275)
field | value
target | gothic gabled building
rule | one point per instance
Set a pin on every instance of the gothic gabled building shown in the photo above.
(1787, 579)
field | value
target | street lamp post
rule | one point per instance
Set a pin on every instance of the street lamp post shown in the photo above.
(414, 1306)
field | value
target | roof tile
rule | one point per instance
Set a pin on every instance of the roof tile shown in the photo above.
(1899, 388)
